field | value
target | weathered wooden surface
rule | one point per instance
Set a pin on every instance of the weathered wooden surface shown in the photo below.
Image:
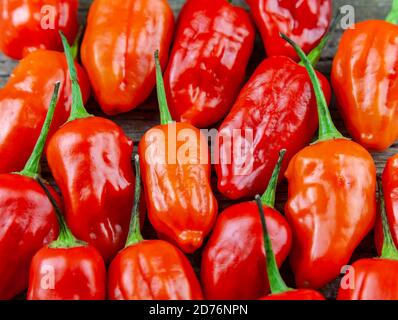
(140, 120)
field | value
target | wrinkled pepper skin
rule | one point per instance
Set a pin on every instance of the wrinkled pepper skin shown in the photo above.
(79, 274)
(22, 113)
(366, 84)
(300, 295)
(27, 223)
(25, 25)
(90, 160)
(152, 270)
(375, 279)
(306, 22)
(233, 261)
(118, 46)
(181, 205)
(331, 207)
(213, 44)
(279, 105)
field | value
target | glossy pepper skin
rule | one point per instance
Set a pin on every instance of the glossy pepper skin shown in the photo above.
(90, 159)
(176, 175)
(150, 269)
(213, 43)
(279, 106)
(297, 294)
(22, 113)
(306, 22)
(27, 218)
(374, 279)
(390, 187)
(66, 269)
(331, 199)
(117, 50)
(366, 84)
(26, 25)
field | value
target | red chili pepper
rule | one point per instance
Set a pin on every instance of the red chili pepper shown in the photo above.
(365, 81)
(207, 66)
(331, 198)
(151, 269)
(278, 106)
(117, 50)
(176, 175)
(305, 21)
(279, 289)
(28, 25)
(66, 269)
(375, 279)
(90, 159)
(27, 219)
(233, 261)
(22, 113)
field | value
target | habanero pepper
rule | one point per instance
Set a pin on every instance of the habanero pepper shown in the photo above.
(24, 101)
(278, 107)
(233, 261)
(176, 176)
(214, 41)
(375, 279)
(27, 218)
(365, 81)
(306, 22)
(150, 269)
(29, 25)
(331, 198)
(66, 269)
(279, 289)
(117, 50)
(90, 159)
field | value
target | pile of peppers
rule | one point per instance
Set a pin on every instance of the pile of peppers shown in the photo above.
(81, 235)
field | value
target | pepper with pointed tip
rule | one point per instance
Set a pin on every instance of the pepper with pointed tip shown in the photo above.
(213, 43)
(233, 261)
(117, 50)
(375, 279)
(66, 269)
(30, 25)
(275, 110)
(305, 21)
(27, 218)
(331, 203)
(150, 269)
(176, 174)
(90, 159)
(365, 81)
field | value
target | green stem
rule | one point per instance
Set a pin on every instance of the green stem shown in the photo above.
(327, 129)
(277, 285)
(165, 116)
(268, 198)
(389, 250)
(65, 237)
(78, 111)
(393, 15)
(32, 167)
(75, 47)
(135, 235)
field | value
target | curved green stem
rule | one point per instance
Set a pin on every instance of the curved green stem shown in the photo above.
(78, 111)
(276, 283)
(268, 198)
(165, 116)
(75, 47)
(135, 235)
(393, 15)
(32, 167)
(389, 250)
(65, 238)
(327, 129)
